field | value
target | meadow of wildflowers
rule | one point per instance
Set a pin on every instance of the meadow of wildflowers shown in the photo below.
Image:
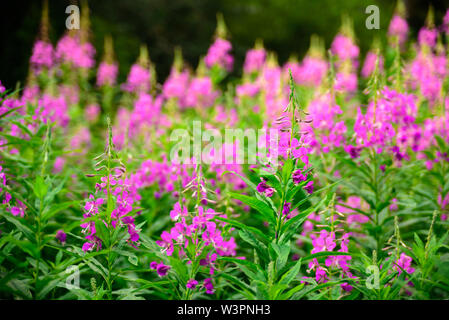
(350, 200)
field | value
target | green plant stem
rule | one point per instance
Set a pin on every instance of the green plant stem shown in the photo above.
(376, 200)
(38, 240)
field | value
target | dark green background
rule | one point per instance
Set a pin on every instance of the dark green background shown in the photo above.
(284, 25)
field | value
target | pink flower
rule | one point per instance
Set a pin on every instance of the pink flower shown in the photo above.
(399, 28)
(92, 112)
(166, 243)
(42, 56)
(394, 205)
(176, 213)
(124, 195)
(218, 54)
(254, 60)
(310, 72)
(445, 25)
(59, 164)
(346, 82)
(344, 48)
(321, 275)
(176, 85)
(247, 89)
(87, 246)
(200, 93)
(107, 74)
(19, 209)
(325, 242)
(79, 55)
(403, 263)
(427, 37)
(138, 80)
(53, 109)
(370, 64)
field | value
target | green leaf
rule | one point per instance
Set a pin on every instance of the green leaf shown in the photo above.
(246, 180)
(291, 274)
(27, 247)
(102, 231)
(242, 226)
(53, 210)
(261, 249)
(40, 188)
(282, 251)
(256, 204)
(441, 143)
(243, 288)
(312, 288)
(327, 254)
(20, 224)
(287, 170)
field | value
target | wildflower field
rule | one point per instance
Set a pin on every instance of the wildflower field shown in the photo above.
(333, 186)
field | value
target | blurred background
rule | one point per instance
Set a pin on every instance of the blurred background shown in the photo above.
(285, 26)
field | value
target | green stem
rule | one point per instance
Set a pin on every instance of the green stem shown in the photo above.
(376, 200)
(38, 240)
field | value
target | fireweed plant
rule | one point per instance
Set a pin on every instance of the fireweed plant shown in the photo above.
(350, 201)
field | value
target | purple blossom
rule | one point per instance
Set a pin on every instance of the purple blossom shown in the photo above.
(61, 236)
(262, 187)
(191, 284)
(162, 269)
(208, 286)
(286, 209)
(309, 187)
(298, 176)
